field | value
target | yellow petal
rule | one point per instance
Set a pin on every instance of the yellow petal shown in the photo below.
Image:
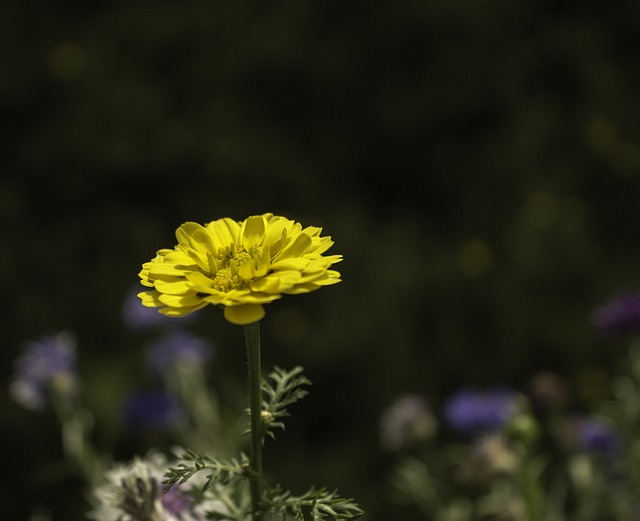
(320, 245)
(246, 271)
(276, 282)
(320, 264)
(197, 258)
(314, 281)
(330, 277)
(251, 298)
(294, 263)
(164, 269)
(312, 231)
(184, 233)
(224, 231)
(180, 301)
(178, 258)
(263, 262)
(200, 282)
(301, 288)
(174, 287)
(236, 297)
(181, 312)
(297, 248)
(202, 241)
(276, 234)
(144, 276)
(215, 298)
(150, 299)
(245, 314)
(253, 230)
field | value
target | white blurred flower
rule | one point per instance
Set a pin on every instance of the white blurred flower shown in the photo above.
(134, 492)
(406, 421)
(491, 455)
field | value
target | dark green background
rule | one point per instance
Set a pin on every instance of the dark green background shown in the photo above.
(476, 162)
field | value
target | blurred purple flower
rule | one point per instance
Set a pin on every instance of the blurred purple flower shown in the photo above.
(619, 314)
(596, 435)
(177, 347)
(152, 410)
(470, 411)
(49, 361)
(175, 502)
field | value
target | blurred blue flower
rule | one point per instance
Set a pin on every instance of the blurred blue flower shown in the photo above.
(177, 347)
(46, 363)
(596, 435)
(152, 410)
(619, 314)
(470, 411)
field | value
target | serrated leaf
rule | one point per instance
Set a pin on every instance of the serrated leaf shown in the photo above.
(281, 389)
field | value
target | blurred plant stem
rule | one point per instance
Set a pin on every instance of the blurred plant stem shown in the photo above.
(76, 423)
(188, 381)
(252, 339)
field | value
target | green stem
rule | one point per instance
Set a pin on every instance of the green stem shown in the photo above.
(75, 423)
(252, 339)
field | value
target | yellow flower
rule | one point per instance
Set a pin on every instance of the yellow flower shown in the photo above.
(238, 265)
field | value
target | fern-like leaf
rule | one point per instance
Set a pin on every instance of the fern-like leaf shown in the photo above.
(280, 390)
(314, 505)
(219, 471)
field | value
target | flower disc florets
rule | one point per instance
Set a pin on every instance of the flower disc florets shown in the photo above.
(238, 265)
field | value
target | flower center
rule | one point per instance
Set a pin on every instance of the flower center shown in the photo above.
(228, 263)
(224, 280)
(139, 497)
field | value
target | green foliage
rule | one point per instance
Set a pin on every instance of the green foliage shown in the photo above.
(280, 390)
(220, 471)
(225, 482)
(228, 480)
(582, 467)
(317, 503)
(411, 482)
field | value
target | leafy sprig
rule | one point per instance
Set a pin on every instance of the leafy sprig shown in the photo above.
(227, 480)
(220, 471)
(315, 504)
(280, 390)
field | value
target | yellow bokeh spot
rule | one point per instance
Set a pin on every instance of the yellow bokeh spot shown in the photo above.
(541, 210)
(475, 258)
(66, 60)
(601, 135)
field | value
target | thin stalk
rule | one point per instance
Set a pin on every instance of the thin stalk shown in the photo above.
(75, 423)
(252, 339)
